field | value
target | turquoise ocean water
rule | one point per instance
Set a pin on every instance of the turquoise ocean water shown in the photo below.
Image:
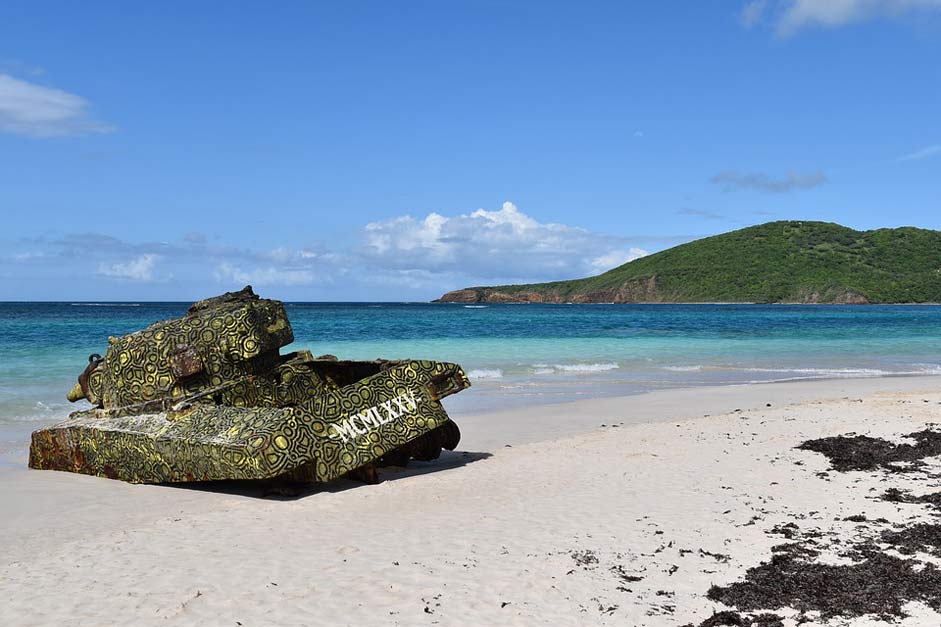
(515, 354)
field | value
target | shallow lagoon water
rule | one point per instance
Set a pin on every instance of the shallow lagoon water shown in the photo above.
(515, 354)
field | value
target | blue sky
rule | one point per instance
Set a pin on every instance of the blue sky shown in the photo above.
(393, 151)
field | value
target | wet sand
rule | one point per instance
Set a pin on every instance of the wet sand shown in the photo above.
(607, 511)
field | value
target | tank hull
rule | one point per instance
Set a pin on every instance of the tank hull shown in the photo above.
(319, 440)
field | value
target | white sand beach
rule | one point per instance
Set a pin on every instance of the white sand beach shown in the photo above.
(617, 511)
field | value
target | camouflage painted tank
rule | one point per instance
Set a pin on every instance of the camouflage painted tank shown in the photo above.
(209, 396)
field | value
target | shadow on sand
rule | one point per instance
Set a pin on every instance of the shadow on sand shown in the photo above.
(282, 490)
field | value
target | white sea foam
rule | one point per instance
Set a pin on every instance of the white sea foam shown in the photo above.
(475, 306)
(849, 373)
(586, 367)
(485, 373)
(39, 412)
(816, 373)
(929, 368)
(575, 368)
(828, 372)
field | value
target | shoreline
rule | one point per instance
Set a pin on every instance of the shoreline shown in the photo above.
(525, 427)
(712, 399)
(600, 511)
(565, 419)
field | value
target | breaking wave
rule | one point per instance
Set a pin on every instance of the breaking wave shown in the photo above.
(847, 373)
(485, 373)
(40, 412)
(816, 373)
(826, 372)
(577, 368)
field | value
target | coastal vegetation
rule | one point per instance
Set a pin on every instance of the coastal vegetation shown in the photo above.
(776, 262)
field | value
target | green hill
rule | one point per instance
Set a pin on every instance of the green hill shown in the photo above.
(777, 262)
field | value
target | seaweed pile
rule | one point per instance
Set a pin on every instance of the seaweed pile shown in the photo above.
(880, 584)
(895, 495)
(862, 452)
(734, 619)
(884, 569)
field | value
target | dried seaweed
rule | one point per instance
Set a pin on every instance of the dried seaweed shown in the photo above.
(923, 537)
(788, 530)
(876, 583)
(726, 619)
(586, 559)
(880, 585)
(734, 619)
(862, 452)
(895, 495)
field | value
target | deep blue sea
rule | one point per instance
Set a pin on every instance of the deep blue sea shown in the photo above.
(515, 354)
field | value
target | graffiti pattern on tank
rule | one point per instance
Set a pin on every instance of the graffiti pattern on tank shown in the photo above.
(209, 396)
(209, 442)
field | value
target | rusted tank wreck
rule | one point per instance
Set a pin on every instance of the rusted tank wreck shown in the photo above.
(209, 397)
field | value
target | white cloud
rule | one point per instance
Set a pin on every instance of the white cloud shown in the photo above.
(752, 13)
(924, 153)
(230, 273)
(28, 256)
(701, 213)
(137, 269)
(617, 258)
(793, 15)
(401, 258)
(731, 179)
(418, 279)
(437, 251)
(30, 109)
(498, 245)
(15, 66)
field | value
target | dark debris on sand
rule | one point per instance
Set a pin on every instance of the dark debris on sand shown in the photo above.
(924, 537)
(895, 495)
(876, 582)
(734, 619)
(862, 452)
(788, 530)
(586, 559)
(880, 585)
